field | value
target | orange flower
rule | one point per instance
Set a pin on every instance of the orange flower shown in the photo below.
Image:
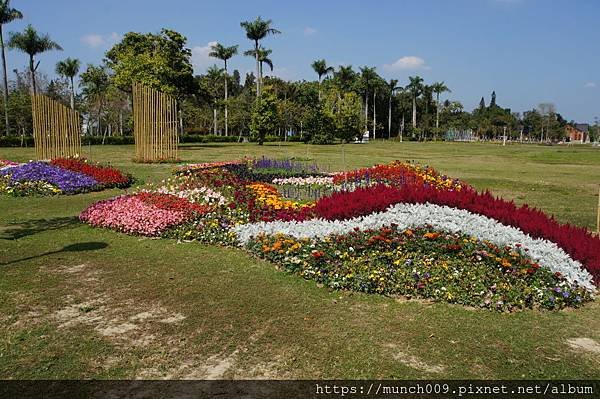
(431, 236)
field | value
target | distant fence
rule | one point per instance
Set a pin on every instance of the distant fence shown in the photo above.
(460, 135)
(56, 128)
(154, 125)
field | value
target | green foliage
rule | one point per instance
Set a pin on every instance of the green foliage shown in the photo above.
(345, 113)
(160, 61)
(264, 115)
(319, 126)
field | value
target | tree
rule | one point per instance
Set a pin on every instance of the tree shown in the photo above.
(482, 104)
(256, 31)
(224, 53)
(69, 68)
(367, 79)
(344, 111)
(160, 61)
(262, 55)
(344, 78)
(94, 86)
(415, 88)
(393, 87)
(31, 43)
(7, 15)
(264, 116)
(438, 88)
(321, 68)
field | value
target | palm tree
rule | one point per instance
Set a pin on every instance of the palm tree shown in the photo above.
(344, 77)
(224, 53)
(367, 77)
(7, 15)
(321, 68)
(393, 87)
(439, 88)
(263, 58)
(256, 31)
(30, 42)
(415, 88)
(213, 76)
(69, 68)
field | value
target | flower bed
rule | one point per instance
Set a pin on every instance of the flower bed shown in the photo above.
(475, 249)
(60, 176)
(423, 263)
(147, 214)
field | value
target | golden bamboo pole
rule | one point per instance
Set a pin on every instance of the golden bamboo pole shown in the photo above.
(155, 124)
(56, 128)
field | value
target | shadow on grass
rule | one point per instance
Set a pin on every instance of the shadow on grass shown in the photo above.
(17, 230)
(78, 247)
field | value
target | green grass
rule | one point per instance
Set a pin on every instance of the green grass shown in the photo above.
(77, 302)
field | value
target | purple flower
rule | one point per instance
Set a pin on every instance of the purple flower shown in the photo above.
(64, 179)
(566, 294)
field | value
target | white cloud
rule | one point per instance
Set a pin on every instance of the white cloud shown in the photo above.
(590, 84)
(309, 31)
(94, 40)
(407, 62)
(200, 57)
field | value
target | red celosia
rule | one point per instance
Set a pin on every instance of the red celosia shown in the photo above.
(105, 175)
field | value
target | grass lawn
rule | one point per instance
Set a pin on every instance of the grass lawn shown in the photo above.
(78, 302)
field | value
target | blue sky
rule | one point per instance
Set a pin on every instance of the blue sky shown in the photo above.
(528, 51)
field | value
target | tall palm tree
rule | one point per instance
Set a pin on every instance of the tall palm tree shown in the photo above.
(367, 78)
(262, 54)
(321, 68)
(344, 77)
(7, 15)
(31, 43)
(69, 68)
(415, 88)
(213, 76)
(393, 87)
(438, 88)
(256, 31)
(224, 53)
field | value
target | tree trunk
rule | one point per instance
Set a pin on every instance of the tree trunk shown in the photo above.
(5, 83)
(437, 111)
(72, 93)
(319, 87)
(390, 117)
(226, 113)
(215, 120)
(414, 112)
(367, 111)
(257, 69)
(374, 114)
(120, 122)
(402, 128)
(32, 72)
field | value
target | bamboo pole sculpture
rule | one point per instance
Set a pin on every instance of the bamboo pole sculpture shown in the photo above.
(56, 129)
(154, 125)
